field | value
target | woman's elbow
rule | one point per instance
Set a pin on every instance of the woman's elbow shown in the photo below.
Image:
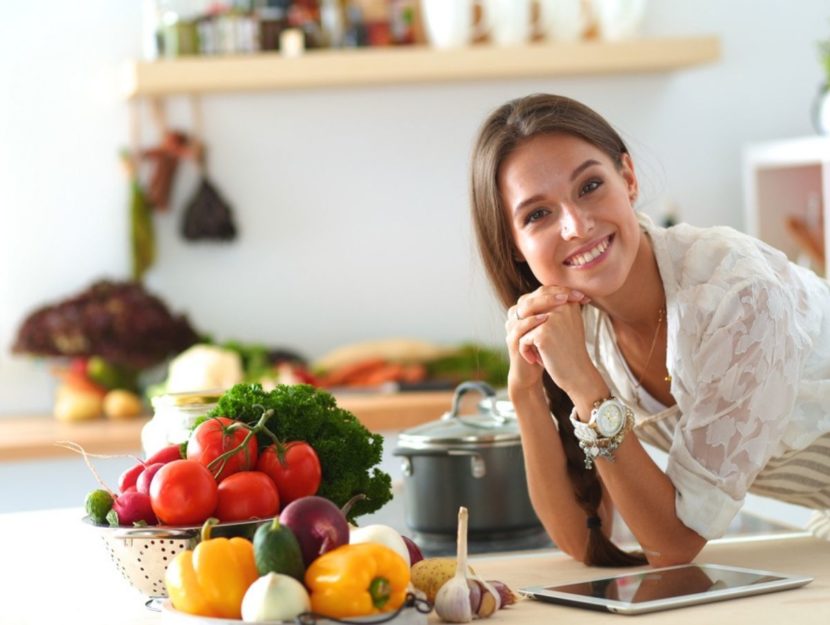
(679, 554)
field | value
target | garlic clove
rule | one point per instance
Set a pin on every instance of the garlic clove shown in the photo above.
(475, 595)
(490, 600)
(506, 594)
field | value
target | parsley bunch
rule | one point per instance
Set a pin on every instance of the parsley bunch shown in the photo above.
(348, 452)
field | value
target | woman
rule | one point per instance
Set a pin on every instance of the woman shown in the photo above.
(705, 342)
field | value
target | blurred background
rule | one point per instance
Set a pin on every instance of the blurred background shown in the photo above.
(349, 202)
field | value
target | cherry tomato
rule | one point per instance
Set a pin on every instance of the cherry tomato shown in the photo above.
(247, 495)
(298, 476)
(214, 437)
(183, 492)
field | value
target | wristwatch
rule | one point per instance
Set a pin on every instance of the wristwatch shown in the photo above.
(604, 432)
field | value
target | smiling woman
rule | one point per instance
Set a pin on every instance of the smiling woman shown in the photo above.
(706, 343)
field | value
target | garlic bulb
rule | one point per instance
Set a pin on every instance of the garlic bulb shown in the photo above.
(452, 603)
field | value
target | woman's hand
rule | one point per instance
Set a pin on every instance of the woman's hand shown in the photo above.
(524, 325)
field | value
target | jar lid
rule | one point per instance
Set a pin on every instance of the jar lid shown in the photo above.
(187, 399)
(495, 424)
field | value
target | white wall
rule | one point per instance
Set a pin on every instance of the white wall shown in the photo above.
(352, 203)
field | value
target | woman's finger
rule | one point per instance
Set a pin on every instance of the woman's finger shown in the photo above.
(547, 298)
(528, 351)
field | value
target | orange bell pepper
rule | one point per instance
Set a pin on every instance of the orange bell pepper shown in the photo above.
(212, 579)
(357, 580)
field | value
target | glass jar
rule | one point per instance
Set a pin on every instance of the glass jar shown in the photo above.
(173, 417)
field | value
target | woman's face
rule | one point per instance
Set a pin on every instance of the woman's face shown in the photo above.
(570, 211)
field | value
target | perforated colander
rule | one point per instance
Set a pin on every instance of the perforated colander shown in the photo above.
(141, 554)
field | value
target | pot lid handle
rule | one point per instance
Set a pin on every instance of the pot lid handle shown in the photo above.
(481, 387)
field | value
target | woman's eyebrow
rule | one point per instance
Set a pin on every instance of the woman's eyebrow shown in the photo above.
(583, 167)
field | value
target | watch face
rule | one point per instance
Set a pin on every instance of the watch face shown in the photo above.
(610, 418)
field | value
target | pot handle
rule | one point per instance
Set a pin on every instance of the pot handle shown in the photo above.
(486, 391)
(478, 468)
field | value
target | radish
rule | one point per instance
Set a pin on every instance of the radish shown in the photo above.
(318, 524)
(142, 484)
(164, 455)
(132, 507)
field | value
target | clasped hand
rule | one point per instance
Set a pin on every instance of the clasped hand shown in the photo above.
(545, 333)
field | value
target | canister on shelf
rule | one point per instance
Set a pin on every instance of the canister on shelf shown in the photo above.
(173, 417)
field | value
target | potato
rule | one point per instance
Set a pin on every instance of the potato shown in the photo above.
(430, 574)
(121, 404)
(76, 405)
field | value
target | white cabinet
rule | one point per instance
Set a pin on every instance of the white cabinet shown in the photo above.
(786, 189)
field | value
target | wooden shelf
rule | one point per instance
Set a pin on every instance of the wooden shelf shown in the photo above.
(26, 438)
(413, 64)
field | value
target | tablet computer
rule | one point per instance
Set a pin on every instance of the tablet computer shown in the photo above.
(665, 588)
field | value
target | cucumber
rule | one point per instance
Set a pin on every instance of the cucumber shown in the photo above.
(276, 550)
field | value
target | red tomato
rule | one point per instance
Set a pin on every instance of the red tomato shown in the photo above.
(212, 438)
(247, 495)
(183, 492)
(298, 476)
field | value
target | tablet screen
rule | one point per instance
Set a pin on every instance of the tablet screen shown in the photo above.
(665, 588)
(664, 584)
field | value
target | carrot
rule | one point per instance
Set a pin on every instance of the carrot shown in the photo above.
(344, 374)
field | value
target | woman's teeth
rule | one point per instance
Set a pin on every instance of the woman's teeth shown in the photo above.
(587, 257)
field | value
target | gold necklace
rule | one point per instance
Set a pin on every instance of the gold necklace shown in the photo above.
(660, 314)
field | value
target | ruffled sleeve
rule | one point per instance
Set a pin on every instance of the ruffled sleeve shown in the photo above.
(745, 370)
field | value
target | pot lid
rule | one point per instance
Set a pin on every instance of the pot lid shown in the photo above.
(494, 424)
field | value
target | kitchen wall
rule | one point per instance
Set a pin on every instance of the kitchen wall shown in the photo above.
(352, 203)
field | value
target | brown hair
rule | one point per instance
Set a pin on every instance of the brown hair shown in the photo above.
(505, 130)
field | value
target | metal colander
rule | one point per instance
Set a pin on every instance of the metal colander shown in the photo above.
(142, 554)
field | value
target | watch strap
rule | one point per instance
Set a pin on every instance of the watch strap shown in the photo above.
(594, 445)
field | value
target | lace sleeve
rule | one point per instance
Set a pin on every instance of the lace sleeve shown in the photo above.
(744, 376)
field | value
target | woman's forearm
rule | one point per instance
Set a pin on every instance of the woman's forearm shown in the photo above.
(641, 492)
(645, 498)
(551, 491)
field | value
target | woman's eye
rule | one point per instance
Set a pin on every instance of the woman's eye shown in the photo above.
(590, 186)
(535, 215)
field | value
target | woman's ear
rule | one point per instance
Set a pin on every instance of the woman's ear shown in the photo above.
(628, 175)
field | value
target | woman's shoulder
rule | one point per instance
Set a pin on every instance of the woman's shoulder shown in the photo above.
(715, 258)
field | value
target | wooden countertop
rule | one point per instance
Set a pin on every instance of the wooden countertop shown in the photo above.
(29, 437)
(76, 577)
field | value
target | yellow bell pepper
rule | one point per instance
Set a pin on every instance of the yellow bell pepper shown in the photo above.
(212, 579)
(357, 580)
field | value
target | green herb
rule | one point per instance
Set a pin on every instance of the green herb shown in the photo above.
(472, 362)
(348, 452)
(255, 360)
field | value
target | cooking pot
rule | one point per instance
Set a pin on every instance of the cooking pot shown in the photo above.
(472, 460)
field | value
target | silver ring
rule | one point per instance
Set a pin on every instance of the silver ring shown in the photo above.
(516, 312)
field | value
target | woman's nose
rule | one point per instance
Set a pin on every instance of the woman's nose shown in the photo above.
(575, 223)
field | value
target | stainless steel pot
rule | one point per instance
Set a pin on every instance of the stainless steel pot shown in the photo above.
(466, 460)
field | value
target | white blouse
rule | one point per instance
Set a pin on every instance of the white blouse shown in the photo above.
(749, 355)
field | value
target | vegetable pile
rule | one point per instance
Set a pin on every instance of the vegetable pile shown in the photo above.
(348, 452)
(310, 561)
(305, 560)
(249, 458)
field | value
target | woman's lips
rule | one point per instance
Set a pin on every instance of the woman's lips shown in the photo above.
(588, 257)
